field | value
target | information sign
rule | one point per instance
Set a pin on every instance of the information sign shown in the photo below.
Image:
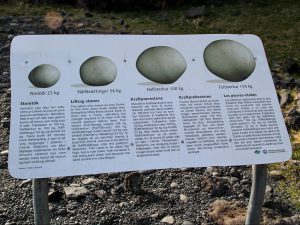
(88, 104)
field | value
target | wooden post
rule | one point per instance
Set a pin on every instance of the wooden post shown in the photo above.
(259, 182)
(40, 201)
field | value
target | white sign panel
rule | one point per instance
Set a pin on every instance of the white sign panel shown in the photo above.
(88, 104)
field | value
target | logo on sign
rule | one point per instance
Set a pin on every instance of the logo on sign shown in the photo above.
(257, 152)
(265, 151)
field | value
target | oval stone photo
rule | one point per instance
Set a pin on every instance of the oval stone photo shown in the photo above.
(98, 71)
(161, 64)
(229, 60)
(44, 76)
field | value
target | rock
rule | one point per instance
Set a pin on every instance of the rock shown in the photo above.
(61, 212)
(10, 223)
(10, 36)
(4, 47)
(103, 211)
(154, 215)
(187, 223)
(122, 204)
(234, 173)
(4, 153)
(284, 96)
(215, 174)
(234, 179)
(133, 182)
(184, 198)
(244, 181)
(113, 175)
(113, 191)
(236, 186)
(78, 25)
(75, 192)
(174, 185)
(72, 205)
(101, 194)
(54, 195)
(58, 179)
(211, 169)
(186, 169)
(5, 122)
(276, 174)
(89, 181)
(196, 12)
(269, 190)
(168, 220)
(292, 119)
(2, 209)
(25, 182)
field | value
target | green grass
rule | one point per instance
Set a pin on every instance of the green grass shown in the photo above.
(276, 22)
(291, 184)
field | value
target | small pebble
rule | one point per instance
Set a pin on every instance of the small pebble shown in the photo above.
(234, 179)
(244, 181)
(183, 198)
(215, 174)
(168, 220)
(275, 174)
(154, 215)
(89, 181)
(174, 185)
(187, 223)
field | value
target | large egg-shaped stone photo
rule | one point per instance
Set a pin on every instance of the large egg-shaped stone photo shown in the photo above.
(161, 64)
(229, 60)
(98, 71)
(44, 76)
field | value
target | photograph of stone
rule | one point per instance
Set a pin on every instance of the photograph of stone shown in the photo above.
(98, 71)
(44, 76)
(161, 64)
(229, 60)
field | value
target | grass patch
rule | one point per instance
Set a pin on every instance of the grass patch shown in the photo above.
(276, 22)
(291, 184)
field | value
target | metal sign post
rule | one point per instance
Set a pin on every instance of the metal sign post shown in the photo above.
(259, 182)
(40, 201)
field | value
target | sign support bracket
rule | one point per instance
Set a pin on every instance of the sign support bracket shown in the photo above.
(40, 201)
(259, 182)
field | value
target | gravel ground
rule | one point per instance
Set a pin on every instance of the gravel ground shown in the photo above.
(172, 196)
